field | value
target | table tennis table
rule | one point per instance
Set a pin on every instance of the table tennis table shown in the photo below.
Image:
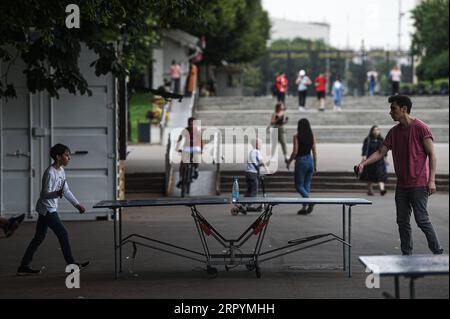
(232, 255)
(412, 267)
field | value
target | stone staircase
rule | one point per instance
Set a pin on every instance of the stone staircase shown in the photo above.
(350, 125)
(330, 182)
(281, 182)
(152, 183)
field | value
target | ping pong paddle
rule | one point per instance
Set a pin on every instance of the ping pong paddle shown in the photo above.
(356, 170)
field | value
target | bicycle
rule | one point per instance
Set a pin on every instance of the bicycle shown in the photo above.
(187, 171)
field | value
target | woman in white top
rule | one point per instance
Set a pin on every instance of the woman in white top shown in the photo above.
(303, 81)
(395, 76)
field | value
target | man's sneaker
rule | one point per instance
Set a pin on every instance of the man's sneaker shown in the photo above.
(301, 109)
(13, 224)
(82, 265)
(27, 271)
(19, 219)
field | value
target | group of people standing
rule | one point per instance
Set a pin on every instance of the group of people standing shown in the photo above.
(176, 72)
(395, 76)
(303, 82)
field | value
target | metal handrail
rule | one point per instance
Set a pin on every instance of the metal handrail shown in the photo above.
(217, 159)
(168, 176)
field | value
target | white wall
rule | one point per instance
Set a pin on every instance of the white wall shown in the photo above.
(171, 50)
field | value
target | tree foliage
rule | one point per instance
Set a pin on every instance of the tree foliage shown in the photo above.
(121, 32)
(235, 30)
(431, 40)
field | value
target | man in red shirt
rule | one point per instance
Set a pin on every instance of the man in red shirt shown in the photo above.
(321, 90)
(414, 157)
(282, 84)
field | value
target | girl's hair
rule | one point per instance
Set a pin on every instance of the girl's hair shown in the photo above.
(279, 106)
(304, 132)
(371, 133)
(58, 149)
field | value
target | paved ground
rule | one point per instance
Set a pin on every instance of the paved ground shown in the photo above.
(145, 158)
(312, 273)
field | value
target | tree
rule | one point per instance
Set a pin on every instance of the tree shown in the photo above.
(431, 41)
(235, 30)
(121, 32)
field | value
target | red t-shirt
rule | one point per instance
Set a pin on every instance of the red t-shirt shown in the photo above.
(410, 159)
(282, 84)
(321, 84)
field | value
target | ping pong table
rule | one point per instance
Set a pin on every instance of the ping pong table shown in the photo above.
(411, 267)
(232, 255)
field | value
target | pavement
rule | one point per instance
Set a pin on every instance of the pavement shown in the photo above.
(312, 273)
(146, 158)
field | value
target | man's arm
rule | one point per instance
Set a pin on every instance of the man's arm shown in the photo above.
(375, 157)
(429, 149)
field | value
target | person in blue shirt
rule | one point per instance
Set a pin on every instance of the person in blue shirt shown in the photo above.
(338, 93)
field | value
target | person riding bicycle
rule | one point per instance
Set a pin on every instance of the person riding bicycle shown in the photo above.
(192, 147)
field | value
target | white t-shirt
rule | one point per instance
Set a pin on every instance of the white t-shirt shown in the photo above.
(396, 75)
(52, 181)
(303, 83)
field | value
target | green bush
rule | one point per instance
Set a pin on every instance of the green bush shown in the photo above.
(440, 82)
(139, 105)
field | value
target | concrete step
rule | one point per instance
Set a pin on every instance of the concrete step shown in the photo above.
(347, 117)
(145, 183)
(322, 182)
(268, 103)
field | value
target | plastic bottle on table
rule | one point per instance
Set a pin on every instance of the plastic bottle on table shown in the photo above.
(235, 191)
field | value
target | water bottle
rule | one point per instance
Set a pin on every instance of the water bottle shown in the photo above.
(235, 191)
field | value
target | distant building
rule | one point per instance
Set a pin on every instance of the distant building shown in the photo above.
(286, 29)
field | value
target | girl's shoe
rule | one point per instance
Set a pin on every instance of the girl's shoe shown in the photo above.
(383, 192)
(309, 209)
(370, 193)
(302, 211)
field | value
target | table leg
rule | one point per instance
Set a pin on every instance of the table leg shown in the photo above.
(397, 288)
(344, 235)
(115, 243)
(120, 239)
(412, 288)
(350, 241)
